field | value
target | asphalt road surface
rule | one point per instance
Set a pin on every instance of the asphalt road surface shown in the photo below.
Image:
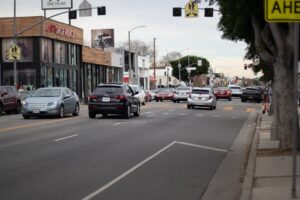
(169, 152)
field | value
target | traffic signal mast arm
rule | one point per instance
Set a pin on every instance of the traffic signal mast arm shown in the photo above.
(45, 19)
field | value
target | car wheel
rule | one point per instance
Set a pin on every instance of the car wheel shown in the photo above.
(243, 100)
(188, 106)
(92, 114)
(211, 107)
(174, 101)
(104, 115)
(229, 99)
(138, 111)
(25, 116)
(76, 112)
(128, 112)
(61, 112)
(161, 100)
(19, 108)
(156, 100)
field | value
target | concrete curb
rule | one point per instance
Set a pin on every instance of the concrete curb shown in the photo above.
(226, 184)
(250, 171)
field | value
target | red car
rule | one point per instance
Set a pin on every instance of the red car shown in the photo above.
(9, 100)
(223, 93)
(164, 94)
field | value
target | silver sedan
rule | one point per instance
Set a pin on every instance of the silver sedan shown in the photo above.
(203, 97)
(57, 101)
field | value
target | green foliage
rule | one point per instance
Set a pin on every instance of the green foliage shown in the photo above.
(189, 61)
(236, 25)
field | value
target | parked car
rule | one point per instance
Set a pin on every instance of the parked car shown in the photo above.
(113, 99)
(251, 93)
(181, 93)
(56, 101)
(9, 100)
(223, 93)
(164, 94)
(203, 97)
(140, 93)
(236, 91)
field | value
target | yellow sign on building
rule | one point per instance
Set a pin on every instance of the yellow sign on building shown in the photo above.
(282, 10)
(14, 53)
(191, 9)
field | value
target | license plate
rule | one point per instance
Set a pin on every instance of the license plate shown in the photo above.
(203, 98)
(35, 111)
(250, 97)
(105, 99)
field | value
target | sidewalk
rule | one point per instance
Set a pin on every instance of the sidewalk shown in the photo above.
(269, 172)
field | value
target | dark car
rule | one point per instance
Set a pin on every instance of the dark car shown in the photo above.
(251, 93)
(164, 94)
(9, 100)
(223, 93)
(113, 99)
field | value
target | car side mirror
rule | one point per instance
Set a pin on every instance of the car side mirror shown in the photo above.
(67, 96)
(136, 93)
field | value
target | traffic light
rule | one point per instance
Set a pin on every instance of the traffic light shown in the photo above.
(73, 14)
(208, 12)
(177, 12)
(101, 10)
(245, 66)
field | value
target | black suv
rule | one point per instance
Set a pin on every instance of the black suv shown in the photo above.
(113, 98)
(251, 93)
(9, 100)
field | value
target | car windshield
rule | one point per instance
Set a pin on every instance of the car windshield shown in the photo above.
(196, 91)
(182, 88)
(108, 89)
(46, 93)
(135, 88)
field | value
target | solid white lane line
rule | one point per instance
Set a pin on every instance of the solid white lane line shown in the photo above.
(199, 115)
(114, 181)
(183, 114)
(148, 112)
(202, 147)
(166, 113)
(217, 115)
(64, 138)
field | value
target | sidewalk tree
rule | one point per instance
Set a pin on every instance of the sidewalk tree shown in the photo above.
(189, 61)
(273, 44)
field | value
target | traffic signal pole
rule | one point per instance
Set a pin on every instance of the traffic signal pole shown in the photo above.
(15, 41)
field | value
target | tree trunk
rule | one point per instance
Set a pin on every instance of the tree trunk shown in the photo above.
(283, 105)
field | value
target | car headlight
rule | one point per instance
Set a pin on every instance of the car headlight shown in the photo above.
(24, 103)
(52, 104)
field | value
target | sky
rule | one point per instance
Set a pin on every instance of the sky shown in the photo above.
(189, 36)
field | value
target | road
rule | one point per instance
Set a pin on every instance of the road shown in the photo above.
(169, 152)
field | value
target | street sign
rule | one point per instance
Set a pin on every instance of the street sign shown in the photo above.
(14, 53)
(282, 10)
(190, 68)
(85, 9)
(57, 4)
(191, 9)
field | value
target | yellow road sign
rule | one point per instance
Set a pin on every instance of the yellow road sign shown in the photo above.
(282, 10)
(191, 9)
(14, 53)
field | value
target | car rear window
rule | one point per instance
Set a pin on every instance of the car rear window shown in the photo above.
(108, 89)
(200, 92)
(238, 88)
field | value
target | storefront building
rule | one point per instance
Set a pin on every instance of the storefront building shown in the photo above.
(52, 55)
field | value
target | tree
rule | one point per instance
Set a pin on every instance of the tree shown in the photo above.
(272, 44)
(140, 47)
(191, 61)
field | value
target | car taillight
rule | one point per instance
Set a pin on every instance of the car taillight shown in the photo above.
(92, 98)
(121, 97)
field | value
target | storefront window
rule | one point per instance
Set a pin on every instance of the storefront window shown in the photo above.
(25, 45)
(57, 80)
(89, 79)
(60, 53)
(46, 50)
(27, 78)
(49, 77)
(72, 54)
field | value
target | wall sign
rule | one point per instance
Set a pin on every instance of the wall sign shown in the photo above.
(56, 4)
(60, 31)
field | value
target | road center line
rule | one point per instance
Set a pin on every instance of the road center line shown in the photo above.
(64, 138)
(114, 181)
(202, 147)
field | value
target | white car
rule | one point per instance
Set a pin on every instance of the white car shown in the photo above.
(236, 90)
(141, 93)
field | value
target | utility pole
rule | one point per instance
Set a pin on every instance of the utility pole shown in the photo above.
(15, 42)
(154, 58)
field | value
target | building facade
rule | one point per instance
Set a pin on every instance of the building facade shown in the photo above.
(52, 54)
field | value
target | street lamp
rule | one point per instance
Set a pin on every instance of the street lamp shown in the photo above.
(129, 53)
